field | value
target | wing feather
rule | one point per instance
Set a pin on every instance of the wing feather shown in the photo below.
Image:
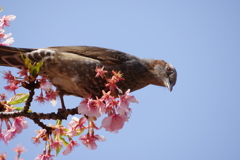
(102, 54)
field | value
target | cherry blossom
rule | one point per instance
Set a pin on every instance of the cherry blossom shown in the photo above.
(3, 96)
(83, 107)
(8, 76)
(70, 147)
(12, 87)
(4, 21)
(111, 84)
(90, 140)
(23, 72)
(10, 134)
(8, 42)
(19, 149)
(45, 85)
(124, 101)
(40, 98)
(18, 125)
(41, 133)
(13, 82)
(117, 76)
(113, 122)
(91, 107)
(74, 124)
(51, 95)
(44, 156)
(100, 72)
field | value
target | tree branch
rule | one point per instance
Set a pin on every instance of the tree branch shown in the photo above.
(59, 115)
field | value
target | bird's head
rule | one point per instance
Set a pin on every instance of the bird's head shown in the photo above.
(164, 73)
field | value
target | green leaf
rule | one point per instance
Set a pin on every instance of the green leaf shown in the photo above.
(58, 122)
(58, 149)
(18, 98)
(36, 68)
(65, 143)
(81, 131)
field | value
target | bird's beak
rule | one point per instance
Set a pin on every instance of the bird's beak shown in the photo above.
(168, 84)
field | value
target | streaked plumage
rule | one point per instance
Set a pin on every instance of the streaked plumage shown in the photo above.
(72, 68)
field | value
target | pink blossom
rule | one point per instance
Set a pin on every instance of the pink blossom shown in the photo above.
(78, 122)
(113, 122)
(20, 124)
(56, 144)
(19, 149)
(23, 72)
(59, 130)
(40, 98)
(45, 85)
(12, 81)
(8, 42)
(1, 134)
(44, 156)
(90, 140)
(2, 138)
(74, 124)
(106, 96)
(71, 131)
(111, 84)
(117, 76)
(6, 36)
(83, 107)
(12, 87)
(70, 147)
(41, 133)
(125, 100)
(100, 72)
(3, 96)
(51, 95)
(10, 134)
(8, 76)
(4, 21)
(91, 107)
(110, 102)
(96, 107)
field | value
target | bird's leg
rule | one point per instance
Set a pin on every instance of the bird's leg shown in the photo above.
(62, 100)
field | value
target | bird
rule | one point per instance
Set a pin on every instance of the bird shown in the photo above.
(71, 69)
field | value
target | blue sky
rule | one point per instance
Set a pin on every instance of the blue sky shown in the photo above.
(199, 119)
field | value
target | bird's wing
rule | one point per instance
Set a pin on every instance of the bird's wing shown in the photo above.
(10, 56)
(102, 54)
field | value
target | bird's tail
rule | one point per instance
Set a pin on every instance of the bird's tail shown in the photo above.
(11, 56)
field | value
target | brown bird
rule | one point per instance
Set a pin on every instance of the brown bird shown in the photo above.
(71, 69)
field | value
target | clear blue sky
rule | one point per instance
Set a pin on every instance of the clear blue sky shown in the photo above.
(198, 120)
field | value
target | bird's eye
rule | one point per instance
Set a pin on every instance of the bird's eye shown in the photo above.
(169, 69)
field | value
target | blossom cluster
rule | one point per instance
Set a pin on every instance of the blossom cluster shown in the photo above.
(14, 127)
(117, 111)
(5, 21)
(15, 82)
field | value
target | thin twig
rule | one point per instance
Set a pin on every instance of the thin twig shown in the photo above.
(54, 116)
